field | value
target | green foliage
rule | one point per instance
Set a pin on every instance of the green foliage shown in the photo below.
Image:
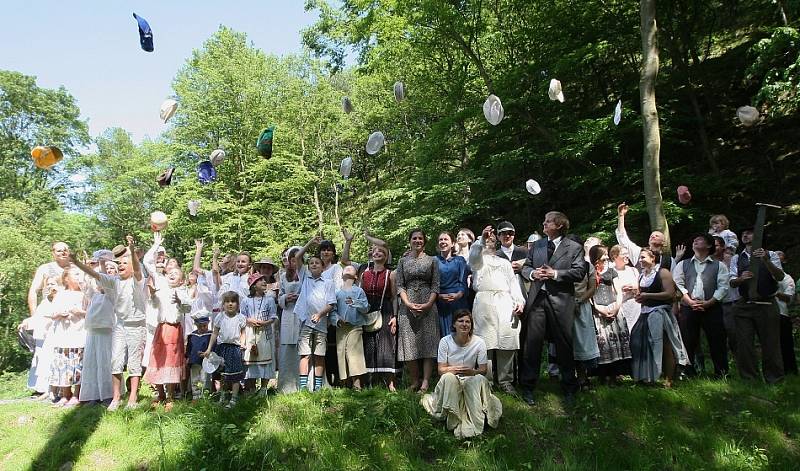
(31, 116)
(777, 67)
(25, 239)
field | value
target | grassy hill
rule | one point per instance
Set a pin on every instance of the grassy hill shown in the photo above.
(698, 425)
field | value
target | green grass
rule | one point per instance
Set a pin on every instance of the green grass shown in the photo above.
(13, 385)
(701, 424)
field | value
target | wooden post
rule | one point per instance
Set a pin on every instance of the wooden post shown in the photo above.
(757, 243)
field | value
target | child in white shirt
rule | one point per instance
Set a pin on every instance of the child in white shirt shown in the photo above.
(317, 299)
(228, 336)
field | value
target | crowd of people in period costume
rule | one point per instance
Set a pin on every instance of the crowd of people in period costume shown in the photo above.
(479, 316)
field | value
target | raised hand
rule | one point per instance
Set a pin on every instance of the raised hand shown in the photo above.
(622, 209)
(158, 239)
(129, 239)
(347, 235)
(198, 243)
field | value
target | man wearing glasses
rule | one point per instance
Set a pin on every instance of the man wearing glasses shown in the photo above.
(513, 253)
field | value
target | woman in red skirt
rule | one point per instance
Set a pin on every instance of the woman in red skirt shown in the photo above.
(167, 366)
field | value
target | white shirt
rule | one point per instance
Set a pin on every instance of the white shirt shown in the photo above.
(334, 273)
(698, 292)
(100, 313)
(785, 286)
(773, 257)
(315, 294)
(230, 328)
(70, 331)
(634, 251)
(470, 355)
(728, 236)
(131, 299)
(237, 283)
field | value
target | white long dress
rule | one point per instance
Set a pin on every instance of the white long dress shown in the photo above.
(96, 384)
(497, 292)
(288, 359)
(39, 374)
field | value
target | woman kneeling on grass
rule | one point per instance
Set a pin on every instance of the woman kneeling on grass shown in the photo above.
(463, 396)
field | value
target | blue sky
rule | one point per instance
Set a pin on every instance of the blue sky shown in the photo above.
(92, 49)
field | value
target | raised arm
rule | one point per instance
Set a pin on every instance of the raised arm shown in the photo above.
(36, 286)
(475, 257)
(298, 257)
(371, 240)
(622, 234)
(137, 267)
(348, 240)
(197, 266)
(149, 258)
(215, 271)
(83, 267)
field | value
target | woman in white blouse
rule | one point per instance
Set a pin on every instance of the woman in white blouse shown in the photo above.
(69, 338)
(463, 396)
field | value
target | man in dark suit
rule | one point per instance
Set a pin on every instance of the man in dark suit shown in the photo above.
(553, 266)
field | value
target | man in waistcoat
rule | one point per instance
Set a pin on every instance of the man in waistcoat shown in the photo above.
(703, 283)
(757, 315)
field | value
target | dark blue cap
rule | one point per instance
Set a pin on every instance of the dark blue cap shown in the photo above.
(206, 173)
(145, 33)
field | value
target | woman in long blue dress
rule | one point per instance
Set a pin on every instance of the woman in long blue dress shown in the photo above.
(453, 273)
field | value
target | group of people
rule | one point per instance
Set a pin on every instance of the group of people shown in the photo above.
(484, 310)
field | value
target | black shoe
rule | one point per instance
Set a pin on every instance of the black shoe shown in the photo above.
(527, 396)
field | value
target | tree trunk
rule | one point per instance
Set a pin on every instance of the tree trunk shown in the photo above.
(650, 130)
(782, 11)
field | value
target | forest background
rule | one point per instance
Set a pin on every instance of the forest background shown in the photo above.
(444, 166)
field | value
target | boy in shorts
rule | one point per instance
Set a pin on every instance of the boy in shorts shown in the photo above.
(317, 299)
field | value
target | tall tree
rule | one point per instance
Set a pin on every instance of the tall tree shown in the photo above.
(31, 116)
(651, 158)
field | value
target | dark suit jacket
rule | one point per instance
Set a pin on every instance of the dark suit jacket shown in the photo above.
(568, 261)
(518, 254)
